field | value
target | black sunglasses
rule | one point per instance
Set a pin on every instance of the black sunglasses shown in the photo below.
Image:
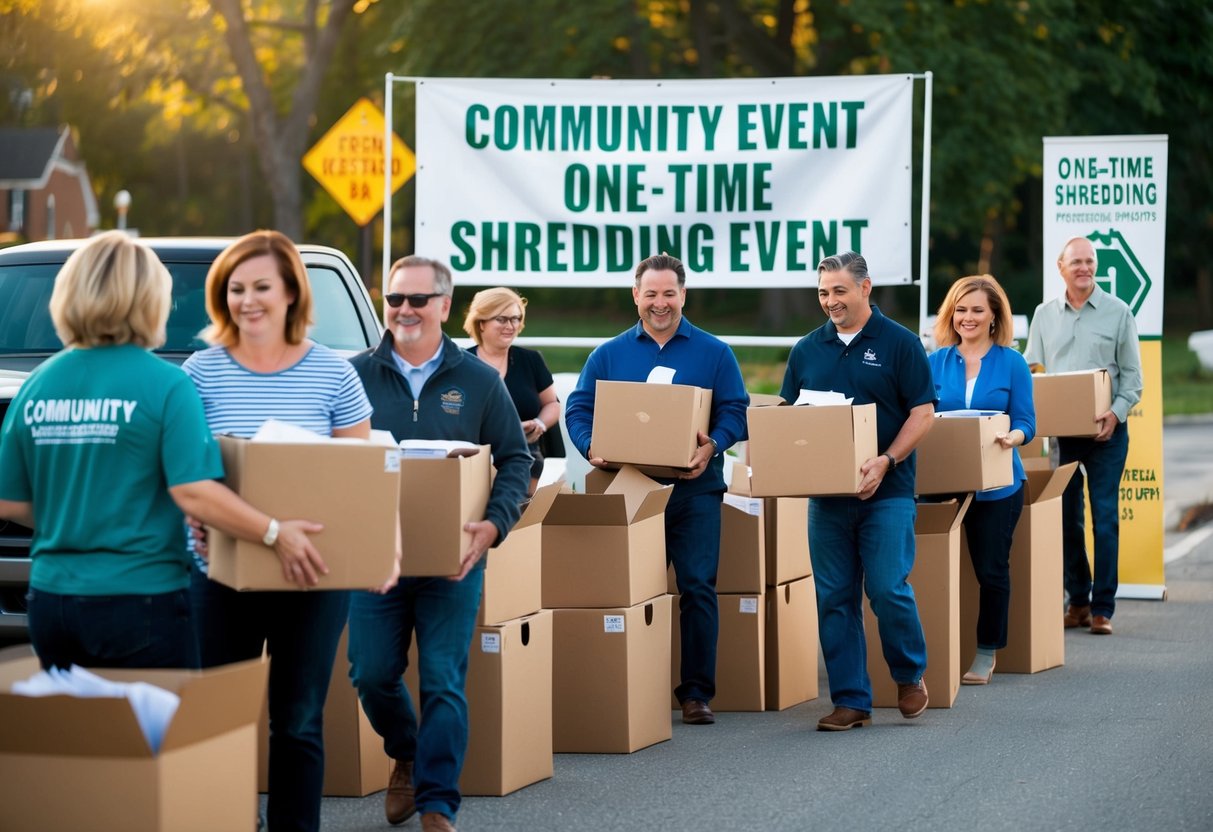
(396, 300)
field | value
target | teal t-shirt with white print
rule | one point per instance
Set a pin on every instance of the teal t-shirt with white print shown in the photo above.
(93, 439)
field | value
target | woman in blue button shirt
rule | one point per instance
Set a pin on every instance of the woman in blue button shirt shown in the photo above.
(975, 367)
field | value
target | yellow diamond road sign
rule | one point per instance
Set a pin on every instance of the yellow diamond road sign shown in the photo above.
(348, 161)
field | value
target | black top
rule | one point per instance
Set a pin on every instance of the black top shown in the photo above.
(526, 376)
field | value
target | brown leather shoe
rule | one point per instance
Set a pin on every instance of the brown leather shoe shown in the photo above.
(436, 822)
(399, 804)
(912, 699)
(1077, 616)
(844, 719)
(697, 712)
(1101, 625)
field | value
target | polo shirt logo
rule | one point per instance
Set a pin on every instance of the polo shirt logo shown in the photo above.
(869, 357)
(452, 401)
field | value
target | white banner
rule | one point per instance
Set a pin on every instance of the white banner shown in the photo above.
(749, 182)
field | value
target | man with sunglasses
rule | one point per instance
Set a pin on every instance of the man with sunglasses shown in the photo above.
(663, 337)
(423, 386)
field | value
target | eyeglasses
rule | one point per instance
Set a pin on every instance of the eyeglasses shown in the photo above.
(512, 320)
(396, 300)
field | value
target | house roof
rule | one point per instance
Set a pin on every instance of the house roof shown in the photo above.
(26, 154)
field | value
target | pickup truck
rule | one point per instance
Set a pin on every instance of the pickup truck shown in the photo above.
(345, 320)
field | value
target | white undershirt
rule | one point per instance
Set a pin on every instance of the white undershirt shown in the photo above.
(848, 337)
(969, 385)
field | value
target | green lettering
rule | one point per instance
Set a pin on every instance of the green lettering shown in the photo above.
(476, 112)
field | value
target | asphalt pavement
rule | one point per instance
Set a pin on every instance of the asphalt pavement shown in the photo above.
(1119, 738)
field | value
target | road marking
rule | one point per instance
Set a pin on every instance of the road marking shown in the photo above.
(1183, 547)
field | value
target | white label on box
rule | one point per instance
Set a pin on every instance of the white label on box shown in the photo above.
(391, 461)
(750, 505)
(612, 623)
(490, 642)
(749, 605)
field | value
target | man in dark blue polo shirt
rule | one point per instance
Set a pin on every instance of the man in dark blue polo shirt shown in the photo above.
(664, 338)
(866, 540)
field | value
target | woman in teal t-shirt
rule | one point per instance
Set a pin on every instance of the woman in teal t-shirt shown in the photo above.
(103, 448)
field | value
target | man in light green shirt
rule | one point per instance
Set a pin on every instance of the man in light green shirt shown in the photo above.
(1088, 329)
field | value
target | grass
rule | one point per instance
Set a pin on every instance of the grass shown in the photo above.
(1187, 388)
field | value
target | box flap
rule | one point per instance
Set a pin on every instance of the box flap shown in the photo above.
(216, 701)
(941, 518)
(571, 509)
(643, 497)
(1049, 483)
(765, 400)
(537, 507)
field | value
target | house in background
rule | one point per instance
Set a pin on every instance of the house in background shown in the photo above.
(45, 191)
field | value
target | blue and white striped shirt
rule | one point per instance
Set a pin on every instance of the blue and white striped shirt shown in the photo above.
(321, 392)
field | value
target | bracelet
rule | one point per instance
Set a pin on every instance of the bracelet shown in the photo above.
(892, 461)
(542, 427)
(271, 533)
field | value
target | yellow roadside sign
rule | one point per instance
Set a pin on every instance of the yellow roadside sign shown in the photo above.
(348, 161)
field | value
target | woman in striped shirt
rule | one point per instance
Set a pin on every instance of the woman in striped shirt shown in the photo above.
(263, 366)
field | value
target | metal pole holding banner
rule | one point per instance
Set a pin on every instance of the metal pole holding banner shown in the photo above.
(923, 311)
(387, 179)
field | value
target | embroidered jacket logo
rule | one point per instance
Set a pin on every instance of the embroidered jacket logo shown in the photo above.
(453, 401)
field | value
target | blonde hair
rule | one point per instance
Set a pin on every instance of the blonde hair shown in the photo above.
(1002, 327)
(112, 290)
(223, 330)
(489, 303)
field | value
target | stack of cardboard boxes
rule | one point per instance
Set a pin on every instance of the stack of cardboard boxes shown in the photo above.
(604, 580)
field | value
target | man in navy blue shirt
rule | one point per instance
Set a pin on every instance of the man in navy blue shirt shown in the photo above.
(663, 337)
(866, 540)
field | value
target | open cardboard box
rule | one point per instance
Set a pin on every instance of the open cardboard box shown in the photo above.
(654, 427)
(960, 453)
(809, 451)
(606, 548)
(348, 485)
(512, 571)
(68, 763)
(438, 497)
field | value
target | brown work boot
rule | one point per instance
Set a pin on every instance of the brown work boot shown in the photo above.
(1077, 616)
(912, 699)
(399, 804)
(844, 719)
(436, 822)
(697, 712)
(1101, 625)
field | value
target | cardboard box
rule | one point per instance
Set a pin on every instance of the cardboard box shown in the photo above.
(743, 548)
(960, 454)
(613, 665)
(512, 571)
(791, 644)
(809, 451)
(606, 548)
(785, 530)
(355, 763)
(1035, 633)
(936, 582)
(68, 763)
(1037, 449)
(652, 426)
(438, 496)
(740, 653)
(1067, 404)
(509, 693)
(348, 485)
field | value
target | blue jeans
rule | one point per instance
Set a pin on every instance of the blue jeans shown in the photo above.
(301, 631)
(856, 546)
(442, 613)
(989, 528)
(692, 545)
(1103, 463)
(112, 630)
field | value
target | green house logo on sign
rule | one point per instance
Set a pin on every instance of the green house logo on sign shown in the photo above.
(1119, 272)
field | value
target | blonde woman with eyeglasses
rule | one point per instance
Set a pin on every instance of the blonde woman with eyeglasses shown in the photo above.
(494, 320)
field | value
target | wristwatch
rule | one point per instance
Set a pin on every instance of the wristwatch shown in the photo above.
(715, 447)
(892, 461)
(271, 533)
